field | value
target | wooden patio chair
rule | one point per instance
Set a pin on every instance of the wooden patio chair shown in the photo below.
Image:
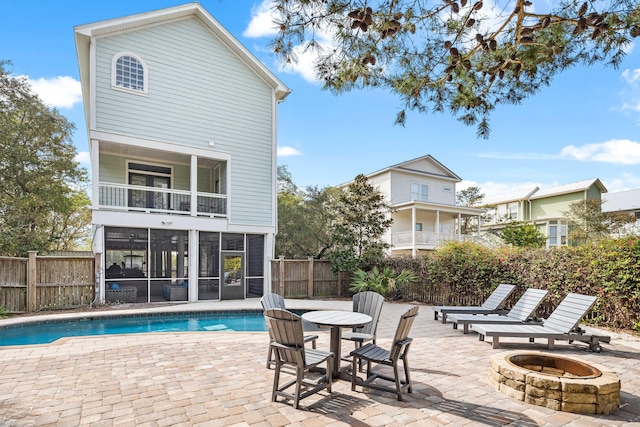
(368, 303)
(288, 347)
(493, 304)
(272, 300)
(371, 353)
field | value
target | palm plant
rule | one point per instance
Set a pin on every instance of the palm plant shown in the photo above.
(382, 281)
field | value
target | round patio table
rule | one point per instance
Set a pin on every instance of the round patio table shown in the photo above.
(336, 320)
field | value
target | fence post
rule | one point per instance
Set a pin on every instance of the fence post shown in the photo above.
(311, 278)
(31, 281)
(281, 269)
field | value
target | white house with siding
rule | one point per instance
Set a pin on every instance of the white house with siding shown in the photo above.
(181, 122)
(422, 193)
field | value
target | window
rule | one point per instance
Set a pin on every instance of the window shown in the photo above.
(490, 216)
(502, 212)
(513, 211)
(154, 176)
(558, 233)
(419, 192)
(553, 233)
(418, 226)
(446, 188)
(128, 73)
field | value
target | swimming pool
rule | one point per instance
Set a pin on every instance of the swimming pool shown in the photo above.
(47, 332)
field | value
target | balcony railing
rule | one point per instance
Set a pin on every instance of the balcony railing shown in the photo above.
(160, 200)
(424, 238)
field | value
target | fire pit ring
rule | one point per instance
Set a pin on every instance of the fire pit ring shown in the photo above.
(556, 382)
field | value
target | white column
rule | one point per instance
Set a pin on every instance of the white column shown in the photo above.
(438, 225)
(193, 185)
(95, 174)
(459, 226)
(194, 254)
(414, 251)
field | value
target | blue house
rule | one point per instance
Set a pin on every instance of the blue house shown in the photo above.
(182, 125)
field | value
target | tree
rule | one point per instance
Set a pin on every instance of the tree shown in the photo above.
(362, 218)
(460, 56)
(304, 218)
(523, 235)
(40, 182)
(469, 197)
(587, 221)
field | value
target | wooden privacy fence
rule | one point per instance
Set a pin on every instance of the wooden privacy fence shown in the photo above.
(302, 278)
(308, 278)
(46, 282)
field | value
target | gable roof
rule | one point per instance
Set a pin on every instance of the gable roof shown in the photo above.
(85, 33)
(538, 193)
(510, 196)
(569, 188)
(622, 201)
(406, 167)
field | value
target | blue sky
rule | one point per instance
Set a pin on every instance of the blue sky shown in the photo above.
(585, 125)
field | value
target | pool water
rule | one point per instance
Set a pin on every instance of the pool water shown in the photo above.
(43, 333)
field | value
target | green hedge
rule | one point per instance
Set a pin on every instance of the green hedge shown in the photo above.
(465, 273)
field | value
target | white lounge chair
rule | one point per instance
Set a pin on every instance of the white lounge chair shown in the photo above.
(520, 313)
(562, 324)
(493, 304)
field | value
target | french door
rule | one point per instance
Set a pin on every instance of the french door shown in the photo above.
(149, 199)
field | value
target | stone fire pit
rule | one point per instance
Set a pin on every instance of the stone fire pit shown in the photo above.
(559, 383)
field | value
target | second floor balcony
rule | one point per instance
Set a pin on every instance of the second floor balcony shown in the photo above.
(426, 240)
(160, 200)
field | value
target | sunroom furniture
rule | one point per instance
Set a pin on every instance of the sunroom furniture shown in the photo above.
(289, 349)
(122, 294)
(372, 353)
(521, 313)
(175, 292)
(493, 304)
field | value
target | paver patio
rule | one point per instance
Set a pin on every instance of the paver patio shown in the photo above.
(220, 379)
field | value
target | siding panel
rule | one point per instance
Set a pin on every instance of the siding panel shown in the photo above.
(198, 91)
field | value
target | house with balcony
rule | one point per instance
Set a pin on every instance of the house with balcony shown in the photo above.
(182, 124)
(422, 193)
(544, 207)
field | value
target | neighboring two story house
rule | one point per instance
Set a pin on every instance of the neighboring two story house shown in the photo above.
(544, 207)
(181, 122)
(422, 193)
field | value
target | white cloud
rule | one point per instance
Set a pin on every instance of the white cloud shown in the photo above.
(632, 77)
(305, 62)
(288, 151)
(627, 181)
(261, 24)
(83, 157)
(59, 92)
(619, 151)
